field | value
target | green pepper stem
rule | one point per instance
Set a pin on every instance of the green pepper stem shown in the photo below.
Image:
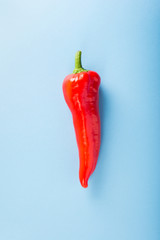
(78, 63)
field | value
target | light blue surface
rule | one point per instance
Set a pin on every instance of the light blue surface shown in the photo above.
(40, 194)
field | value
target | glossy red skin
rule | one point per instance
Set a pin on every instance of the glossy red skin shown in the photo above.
(81, 92)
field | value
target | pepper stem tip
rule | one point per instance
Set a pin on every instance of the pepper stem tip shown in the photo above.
(78, 63)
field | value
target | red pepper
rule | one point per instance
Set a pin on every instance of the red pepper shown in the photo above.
(81, 92)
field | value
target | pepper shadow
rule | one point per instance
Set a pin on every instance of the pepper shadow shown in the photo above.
(97, 178)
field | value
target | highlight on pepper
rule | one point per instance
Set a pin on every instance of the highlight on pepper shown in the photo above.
(81, 93)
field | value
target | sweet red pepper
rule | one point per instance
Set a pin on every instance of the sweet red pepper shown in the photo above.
(81, 93)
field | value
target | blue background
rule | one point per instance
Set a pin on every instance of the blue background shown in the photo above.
(40, 194)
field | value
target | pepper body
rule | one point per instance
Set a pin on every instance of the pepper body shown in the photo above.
(81, 93)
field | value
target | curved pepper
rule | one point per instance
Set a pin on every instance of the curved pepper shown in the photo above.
(81, 93)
